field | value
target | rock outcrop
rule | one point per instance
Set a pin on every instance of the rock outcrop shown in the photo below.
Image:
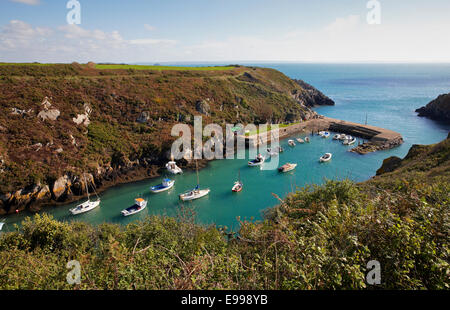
(47, 113)
(438, 109)
(310, 96)
(203, 107)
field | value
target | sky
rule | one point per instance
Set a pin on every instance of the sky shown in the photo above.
(157, 31)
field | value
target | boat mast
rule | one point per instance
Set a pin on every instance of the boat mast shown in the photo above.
(196, 168)
(87, 189)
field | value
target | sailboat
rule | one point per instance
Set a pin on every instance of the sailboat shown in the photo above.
(238, 185)
(195, 193)
(86, 206)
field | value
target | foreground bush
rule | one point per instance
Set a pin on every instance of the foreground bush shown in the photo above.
(318, 238)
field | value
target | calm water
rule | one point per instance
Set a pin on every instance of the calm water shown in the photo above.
(386, 94)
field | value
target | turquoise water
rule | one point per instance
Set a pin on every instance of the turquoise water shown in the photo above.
(386, 94)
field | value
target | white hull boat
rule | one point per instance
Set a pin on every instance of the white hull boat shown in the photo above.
(326, 134)
(173, 168)
(337, 137)
(287, 167)
(291, 143)
(194, 194)
(139, 206)
(164, 186)
(85, 207)
(307, 140)
(350, 142)
(325, 158)
(258, 161)
(299, 140)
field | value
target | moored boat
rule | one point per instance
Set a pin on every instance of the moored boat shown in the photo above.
(238, 185)
(173, 168)
(164, 186)
(196, 193)
(291, 143)
(350, 142)
(300, 140)
(326, 134)
(258, 161)
(139, 205)
(86, 206)
(326, 157)
(307, 140)
(336, 137)
(287, 167)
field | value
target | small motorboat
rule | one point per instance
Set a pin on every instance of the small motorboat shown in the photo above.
(280, 149)
(326, 134)
(238, 185)
(326, 157)
(321, 133)
(86, 206)
(307, 140)
(139, 205)
(164, 186)
(291, 143)
(350, 141)
(287, 167)
(196, 193)
(173, 168)
(1, 225)
(271, 153)
(258, 161)
(342, 137)
(300, 140)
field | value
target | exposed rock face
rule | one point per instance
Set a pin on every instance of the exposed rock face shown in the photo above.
(438, 109)
(202, 106)
(61, 186)
(389, 165)
(83, 119)
(311, 96)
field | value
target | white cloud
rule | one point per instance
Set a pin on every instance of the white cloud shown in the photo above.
(20, 42)
(29, 2)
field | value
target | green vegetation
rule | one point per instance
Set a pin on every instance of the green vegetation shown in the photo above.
(164, 68)
(318, 238)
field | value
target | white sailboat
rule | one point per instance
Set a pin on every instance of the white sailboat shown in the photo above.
(195, 193)
(86, 206)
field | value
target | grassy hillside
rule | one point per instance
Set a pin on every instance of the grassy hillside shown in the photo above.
(64, 120)
(320, 237)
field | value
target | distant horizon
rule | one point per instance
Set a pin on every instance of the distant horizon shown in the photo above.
(237, 62)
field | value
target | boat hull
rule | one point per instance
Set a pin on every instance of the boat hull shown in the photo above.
(193, 196)
(134, 210)
(159, 188)
(89, 206)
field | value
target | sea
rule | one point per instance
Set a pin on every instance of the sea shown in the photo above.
(384, 95)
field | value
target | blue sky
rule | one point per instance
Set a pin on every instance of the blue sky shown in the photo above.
(215, 30)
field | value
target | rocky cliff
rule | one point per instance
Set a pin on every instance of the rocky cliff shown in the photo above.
(59, 122)
(438, 109)
(312, 96)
